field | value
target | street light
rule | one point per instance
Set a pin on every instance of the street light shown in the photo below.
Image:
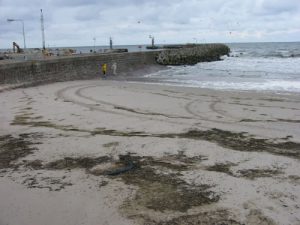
(152, 40)
(110, 43)
(94, 38)
(12, 20)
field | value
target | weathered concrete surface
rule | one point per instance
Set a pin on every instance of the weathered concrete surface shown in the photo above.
(72, 68)
(192, 54)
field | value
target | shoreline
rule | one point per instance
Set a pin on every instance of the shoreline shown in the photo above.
(268, 92)
(138, 76)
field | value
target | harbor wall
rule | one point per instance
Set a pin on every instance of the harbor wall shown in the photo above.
(52, 69)
(73, 67)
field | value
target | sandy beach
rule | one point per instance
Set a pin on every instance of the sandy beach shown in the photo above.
(114, 152)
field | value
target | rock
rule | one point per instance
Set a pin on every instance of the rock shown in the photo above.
(192, 54)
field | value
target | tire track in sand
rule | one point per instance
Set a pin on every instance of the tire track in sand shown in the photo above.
(133, 114)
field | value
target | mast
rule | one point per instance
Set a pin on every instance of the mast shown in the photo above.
(43, 30)
(110, 43)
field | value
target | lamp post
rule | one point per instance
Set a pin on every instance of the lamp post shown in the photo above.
(12, 20)
(94, 38)
(152, 40)
(110, 43)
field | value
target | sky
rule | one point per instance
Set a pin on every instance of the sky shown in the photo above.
(85, 22)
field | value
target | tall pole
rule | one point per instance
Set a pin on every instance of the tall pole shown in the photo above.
(110, 43)
(23, 29)
(152, 40)
(23, 35)
(94, 38)
(43, 30)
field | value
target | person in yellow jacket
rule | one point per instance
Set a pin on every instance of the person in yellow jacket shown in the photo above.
(104, 69)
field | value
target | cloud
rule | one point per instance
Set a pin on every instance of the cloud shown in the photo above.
(76, 22)
(275, 7)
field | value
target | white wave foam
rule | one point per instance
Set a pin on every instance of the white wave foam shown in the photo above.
(242, 73)
(268, 65)
(288, 86)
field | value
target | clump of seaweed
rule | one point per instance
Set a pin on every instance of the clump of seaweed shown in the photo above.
(50, 183)
(157, 190)
(111, 144)
(232, 140)
(222, 168)
(242, 142)
(245, 173)
(78, 162)
(217, 217)
(12, 148)
(27, 118)
(256, 173)
(160, 191)
(35, 164)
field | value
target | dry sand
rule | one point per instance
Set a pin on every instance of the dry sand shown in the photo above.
(111, 152)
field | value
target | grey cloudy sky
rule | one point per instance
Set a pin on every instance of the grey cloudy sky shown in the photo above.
(77, 22)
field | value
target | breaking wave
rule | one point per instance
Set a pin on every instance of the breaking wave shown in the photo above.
(259, 66)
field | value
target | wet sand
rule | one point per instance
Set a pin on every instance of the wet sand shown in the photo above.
(115, 152)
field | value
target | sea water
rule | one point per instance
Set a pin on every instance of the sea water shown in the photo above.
(250, 66)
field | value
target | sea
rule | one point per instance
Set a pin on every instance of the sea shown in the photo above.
(259, 67)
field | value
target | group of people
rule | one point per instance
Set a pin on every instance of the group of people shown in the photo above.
(113, 69)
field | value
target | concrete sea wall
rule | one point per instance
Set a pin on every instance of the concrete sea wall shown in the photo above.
(48, 70)
(72, 68)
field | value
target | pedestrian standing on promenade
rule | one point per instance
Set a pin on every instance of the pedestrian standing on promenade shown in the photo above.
(114, 68)
(104, 68)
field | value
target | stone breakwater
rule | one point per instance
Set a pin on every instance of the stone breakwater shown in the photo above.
(192, 54)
